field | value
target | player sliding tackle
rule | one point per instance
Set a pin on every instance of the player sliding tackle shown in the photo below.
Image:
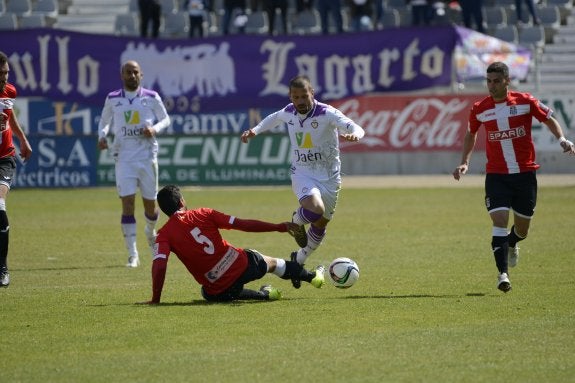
(219, 267)
(314, 130)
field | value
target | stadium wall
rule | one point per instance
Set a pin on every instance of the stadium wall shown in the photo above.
(405, 135)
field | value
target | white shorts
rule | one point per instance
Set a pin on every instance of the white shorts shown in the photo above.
(328, 191)
(137, 174)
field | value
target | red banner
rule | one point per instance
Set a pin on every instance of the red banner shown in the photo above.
(410, 123)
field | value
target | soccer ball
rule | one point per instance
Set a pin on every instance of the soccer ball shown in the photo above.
(343, 272)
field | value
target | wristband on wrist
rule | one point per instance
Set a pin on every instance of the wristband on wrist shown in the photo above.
(562, 139)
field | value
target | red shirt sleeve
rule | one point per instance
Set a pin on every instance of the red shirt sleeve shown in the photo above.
(159, 267)
(255, 226)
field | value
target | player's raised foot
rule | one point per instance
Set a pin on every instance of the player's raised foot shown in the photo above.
(503, 283)
(295, 280)
(513, 256)
(4, 278)
(272, 293)
(319, 280)
(299, 235)
(133, 261)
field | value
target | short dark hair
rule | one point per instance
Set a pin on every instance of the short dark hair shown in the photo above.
(300, 81)
(3, 58)
(169, 198)
(498, 67)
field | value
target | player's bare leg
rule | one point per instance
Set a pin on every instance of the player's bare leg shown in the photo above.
(518, 232)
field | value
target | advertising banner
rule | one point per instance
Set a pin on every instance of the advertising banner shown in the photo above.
(205, 148)
(232, 72)
(215, 160)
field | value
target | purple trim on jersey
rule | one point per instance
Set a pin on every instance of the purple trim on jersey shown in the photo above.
(319, 110)
(290, 109)
(128, 219)
(141, 92)
(116, 93)
(147, 92)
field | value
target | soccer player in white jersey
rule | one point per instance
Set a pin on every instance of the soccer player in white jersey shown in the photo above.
(134, 115)
(510, 181)
(314, 130)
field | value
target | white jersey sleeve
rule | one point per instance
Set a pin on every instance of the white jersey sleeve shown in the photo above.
(105, 120)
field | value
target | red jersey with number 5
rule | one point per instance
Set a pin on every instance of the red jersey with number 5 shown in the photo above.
(509, 146)
(194, 237)
(7, 97)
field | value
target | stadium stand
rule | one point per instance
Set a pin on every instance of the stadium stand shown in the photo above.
(8, 21)
(389, 19)
(507, 33)
(494, 17)
(126, 24)
(306, 23)
(532, 36)
(257, 23)
(48, 8)
(19, 7)
(32, 21)
(175, 25)
(121, 17)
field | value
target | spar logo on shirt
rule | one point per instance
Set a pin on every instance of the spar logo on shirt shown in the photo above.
(507, 134)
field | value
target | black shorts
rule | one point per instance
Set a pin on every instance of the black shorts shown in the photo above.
(7, 170)
(257, 268)
(512, 191)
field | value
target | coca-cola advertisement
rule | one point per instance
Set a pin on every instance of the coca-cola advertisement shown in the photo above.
(410, 123)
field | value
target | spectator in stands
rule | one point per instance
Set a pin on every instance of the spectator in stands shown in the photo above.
(325, 7)
(197, 9)
(530, 8)
(421, 12)
(239, 20)
(472, 9)
(282, 5)
(360, 11)
(150, 11)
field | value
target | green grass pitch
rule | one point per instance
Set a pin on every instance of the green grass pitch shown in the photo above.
(425, 308)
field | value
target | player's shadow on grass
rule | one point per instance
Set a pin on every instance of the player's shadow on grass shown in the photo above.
(71, 268)
(449, 296)
(200, 302)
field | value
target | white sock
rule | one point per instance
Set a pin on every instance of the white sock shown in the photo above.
(150, 224)
(303, 253)
(280, 267)
(129, 231)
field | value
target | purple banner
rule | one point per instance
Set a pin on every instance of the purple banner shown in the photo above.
(475, 51)
(234, 72)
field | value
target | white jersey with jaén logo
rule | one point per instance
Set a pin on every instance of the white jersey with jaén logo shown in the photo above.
(314, 138)
(126, 113)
